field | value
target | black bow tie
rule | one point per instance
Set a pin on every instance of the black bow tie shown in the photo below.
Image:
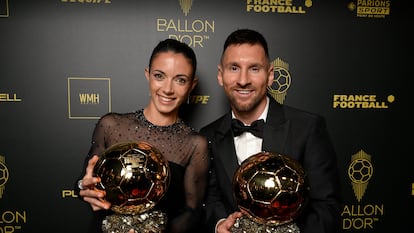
(256, 128)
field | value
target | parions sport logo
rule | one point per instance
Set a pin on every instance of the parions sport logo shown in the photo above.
(370, 8)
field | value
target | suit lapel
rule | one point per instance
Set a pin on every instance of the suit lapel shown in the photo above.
(225, 147)
(276, 129)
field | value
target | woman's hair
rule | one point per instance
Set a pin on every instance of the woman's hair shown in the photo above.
(175, 46)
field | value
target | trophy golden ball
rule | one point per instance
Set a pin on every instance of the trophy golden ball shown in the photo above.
(270, 188)
(134, 176)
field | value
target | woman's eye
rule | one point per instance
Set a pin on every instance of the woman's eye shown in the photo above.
(181, 80)
(158, 76)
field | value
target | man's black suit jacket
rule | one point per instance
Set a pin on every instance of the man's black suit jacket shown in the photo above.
(288, 131)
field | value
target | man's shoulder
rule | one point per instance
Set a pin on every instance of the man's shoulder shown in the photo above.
(214, 124)
(291, 111)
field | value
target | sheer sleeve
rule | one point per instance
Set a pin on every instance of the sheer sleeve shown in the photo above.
(105, 124)
(98, 143)
(195, 182)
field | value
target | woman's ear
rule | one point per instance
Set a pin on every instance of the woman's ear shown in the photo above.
(194, 84)
(147, 73)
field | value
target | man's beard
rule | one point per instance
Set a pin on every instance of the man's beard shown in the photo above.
(245, 106)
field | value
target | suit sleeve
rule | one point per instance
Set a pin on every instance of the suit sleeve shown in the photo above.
(319, 160)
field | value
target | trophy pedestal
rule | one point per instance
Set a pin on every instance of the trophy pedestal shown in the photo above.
(245, 225)
(147, 222)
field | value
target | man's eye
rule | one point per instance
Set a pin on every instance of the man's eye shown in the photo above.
(255, 69)
(234, 68)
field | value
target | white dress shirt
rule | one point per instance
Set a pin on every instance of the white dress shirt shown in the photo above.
(247, 144)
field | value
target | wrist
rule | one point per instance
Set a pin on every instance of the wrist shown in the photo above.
(217, 224)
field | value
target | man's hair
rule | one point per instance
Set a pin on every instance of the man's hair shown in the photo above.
(246, 36)
(175, 46)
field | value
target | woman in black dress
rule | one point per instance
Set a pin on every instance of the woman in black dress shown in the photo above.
(171, 78)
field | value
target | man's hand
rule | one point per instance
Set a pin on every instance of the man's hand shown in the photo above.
(89, 193)
(226, 225)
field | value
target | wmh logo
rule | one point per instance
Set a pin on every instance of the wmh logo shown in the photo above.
(89, 98)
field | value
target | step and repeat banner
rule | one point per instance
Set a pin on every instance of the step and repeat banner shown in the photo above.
(65, 63)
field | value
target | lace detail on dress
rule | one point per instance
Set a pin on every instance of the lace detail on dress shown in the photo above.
(174, 128)
(176, 142)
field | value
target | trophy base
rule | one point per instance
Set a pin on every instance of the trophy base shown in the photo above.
(245, 225)
(147, 222)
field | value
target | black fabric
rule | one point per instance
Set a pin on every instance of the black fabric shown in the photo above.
(256, 128)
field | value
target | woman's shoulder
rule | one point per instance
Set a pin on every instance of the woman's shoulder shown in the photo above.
(120, 114)
(116, 117)
(198, 138)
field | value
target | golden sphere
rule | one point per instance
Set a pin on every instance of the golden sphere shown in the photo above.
(134, 176)
(270, 188)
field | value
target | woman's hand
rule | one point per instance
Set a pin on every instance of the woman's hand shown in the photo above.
(88, 192)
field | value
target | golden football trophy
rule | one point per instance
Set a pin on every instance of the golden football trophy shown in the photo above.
(271, 191)
(134, 176)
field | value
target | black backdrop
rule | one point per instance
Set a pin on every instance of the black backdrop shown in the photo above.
(64, 63)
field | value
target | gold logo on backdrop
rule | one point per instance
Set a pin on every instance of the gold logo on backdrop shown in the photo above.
(4, 175)
(412, 189)
(88, 98)
(281, 82)
(361, 216)
(279, 7)
(4, 8)
(9, 97)
(360, 172)
(87, 1)
(371, 9)
(186, 6)
(194, 32)
(360, 101)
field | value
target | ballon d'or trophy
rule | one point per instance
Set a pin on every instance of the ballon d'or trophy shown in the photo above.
(134, 176)
(271, 191)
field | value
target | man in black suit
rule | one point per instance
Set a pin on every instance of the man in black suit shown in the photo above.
(245, 71)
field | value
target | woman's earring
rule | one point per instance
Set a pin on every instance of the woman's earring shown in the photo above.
(188, 99)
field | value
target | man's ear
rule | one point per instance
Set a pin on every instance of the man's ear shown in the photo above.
(271, 75)
(220, 75)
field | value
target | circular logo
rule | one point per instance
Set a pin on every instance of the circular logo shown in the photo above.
(281, 82)
(360, 171)
(4, 174)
